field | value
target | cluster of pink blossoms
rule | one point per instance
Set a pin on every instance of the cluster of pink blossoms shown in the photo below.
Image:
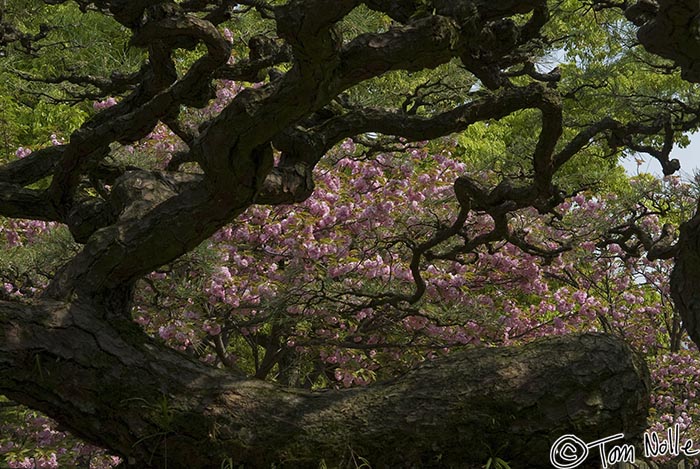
(322, 288)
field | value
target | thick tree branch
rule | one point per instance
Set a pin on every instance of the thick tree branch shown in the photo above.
(18, 202)
(192, 88)
(38, 165)
(415, 127)
(161, 403)
(672, 33)
(286, 185)
(249, 69)
(116, 85)
(686, 277)
(149, 233)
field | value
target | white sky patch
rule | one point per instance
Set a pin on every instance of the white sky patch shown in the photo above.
(688, 156)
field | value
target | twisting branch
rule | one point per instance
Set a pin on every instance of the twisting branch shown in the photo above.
(116, 85)
(27, 42)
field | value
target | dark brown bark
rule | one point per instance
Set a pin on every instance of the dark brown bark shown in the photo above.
(669, 28)
(116, 387)
(685, 278)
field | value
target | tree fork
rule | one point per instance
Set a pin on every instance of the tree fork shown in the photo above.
(113, 385)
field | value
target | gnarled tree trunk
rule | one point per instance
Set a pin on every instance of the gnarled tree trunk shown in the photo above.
(154, 406)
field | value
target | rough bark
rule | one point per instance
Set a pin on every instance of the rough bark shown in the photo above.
(685, 277)
(669, 28)
(116, 387)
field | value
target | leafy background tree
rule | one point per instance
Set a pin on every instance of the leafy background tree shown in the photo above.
(383, 267)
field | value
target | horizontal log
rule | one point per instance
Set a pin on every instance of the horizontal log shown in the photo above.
(120, 389)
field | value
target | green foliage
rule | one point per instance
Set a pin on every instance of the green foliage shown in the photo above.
(363, 20)
(496, 463)
(79, 44)
(32, 260)
(425, 92)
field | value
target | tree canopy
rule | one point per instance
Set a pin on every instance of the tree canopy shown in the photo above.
(339, 233)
